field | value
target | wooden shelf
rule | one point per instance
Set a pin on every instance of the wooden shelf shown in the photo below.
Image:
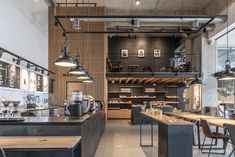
(157, 92)
(172, 102)
(172, 97)
(114, 92)
(119, 103)
(138, 97)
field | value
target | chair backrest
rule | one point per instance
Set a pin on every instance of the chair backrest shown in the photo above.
(231, 130)
(206, 128)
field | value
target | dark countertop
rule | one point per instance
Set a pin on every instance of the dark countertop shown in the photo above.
(53, 120)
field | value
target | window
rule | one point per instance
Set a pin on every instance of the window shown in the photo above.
(221, 46)
(226, 89)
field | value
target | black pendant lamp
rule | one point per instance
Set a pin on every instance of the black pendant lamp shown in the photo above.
(85, 76)
(65, 60)
(78, 69)
(227, 74)
(196, 81)
(90, 80)
(183, 84)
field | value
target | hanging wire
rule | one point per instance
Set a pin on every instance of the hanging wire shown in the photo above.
(227, 32)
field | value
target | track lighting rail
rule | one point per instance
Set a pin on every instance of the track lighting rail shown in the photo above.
(18, 59)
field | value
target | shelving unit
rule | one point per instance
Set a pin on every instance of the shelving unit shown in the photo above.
(172, 100)
(121, 97)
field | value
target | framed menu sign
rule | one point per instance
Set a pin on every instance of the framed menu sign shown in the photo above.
(3, 74)
(13, 76)
(39, 83)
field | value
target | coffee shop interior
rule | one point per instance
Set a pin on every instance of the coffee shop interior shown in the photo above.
(117, 78)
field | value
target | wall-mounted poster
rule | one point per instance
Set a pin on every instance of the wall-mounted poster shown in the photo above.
(124, 53)
(32, 81)
(45, 84)
(157, 53)
(140, 53)
(24, 79)
(13, 76)
(39, 82)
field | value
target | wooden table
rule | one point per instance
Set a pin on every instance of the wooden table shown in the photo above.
(218, 122)
(175, 136)
(41, 145)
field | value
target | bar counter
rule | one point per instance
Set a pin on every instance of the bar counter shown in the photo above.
(90, 127)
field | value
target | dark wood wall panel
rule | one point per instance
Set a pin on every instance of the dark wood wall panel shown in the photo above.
(166, 44)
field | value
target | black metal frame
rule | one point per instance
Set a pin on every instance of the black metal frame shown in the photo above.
(152, 74)
(23, 59)
(200, 28)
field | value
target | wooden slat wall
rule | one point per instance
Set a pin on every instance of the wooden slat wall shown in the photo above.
(92, 49)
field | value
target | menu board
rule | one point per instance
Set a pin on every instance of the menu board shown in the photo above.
(3, 74)
(24, 79)
(32, 81)
(45, 84)
(39, 83)
(13, 76)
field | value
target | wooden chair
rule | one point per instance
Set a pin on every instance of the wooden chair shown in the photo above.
(231, 133)
(113, 68)
(212, 135)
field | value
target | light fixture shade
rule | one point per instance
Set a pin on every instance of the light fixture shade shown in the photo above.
(196, 81)
(65, 60)
(91, 80)
(78, 70)
(83, 77)
(226, 75)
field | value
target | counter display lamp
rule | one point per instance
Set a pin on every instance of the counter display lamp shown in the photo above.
(90, 80)
(83, 77)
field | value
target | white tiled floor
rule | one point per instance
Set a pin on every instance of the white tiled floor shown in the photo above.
(121, 139)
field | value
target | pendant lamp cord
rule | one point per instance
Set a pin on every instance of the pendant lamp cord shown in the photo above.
(227, 63)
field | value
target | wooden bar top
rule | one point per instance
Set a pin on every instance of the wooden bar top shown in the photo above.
(39, 142)
(190, 116)
(216, 121)
(220, 121)
(167, 119)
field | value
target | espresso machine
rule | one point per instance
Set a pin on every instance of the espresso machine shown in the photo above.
(78, 105)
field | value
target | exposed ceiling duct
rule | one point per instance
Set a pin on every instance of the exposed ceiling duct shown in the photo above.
(148, 24)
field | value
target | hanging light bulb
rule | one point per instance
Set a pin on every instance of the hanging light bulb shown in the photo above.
(65, 60)
(137, 2)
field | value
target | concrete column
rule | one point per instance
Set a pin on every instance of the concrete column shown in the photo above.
(208, 66)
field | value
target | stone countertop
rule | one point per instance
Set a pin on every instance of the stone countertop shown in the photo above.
(53, 120)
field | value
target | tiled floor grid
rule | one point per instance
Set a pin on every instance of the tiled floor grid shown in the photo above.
(121, 139)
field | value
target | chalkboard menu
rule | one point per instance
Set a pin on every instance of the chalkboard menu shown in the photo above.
(39, 82)
(13, 76)
(3, 74)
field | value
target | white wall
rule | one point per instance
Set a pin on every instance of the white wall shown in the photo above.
(24, 29)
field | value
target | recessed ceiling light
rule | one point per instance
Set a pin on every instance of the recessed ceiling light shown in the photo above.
(137, 2)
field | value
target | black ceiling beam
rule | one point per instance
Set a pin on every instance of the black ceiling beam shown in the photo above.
(152, 74)
(23, 59)
(135, 16)
(124, 32)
